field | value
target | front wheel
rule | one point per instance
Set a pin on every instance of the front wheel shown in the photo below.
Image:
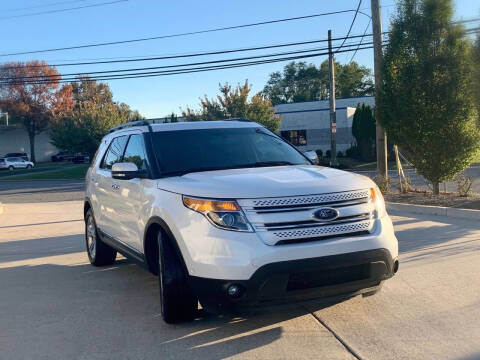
(177, 300)
(11, 168)
(29, 166)
(99, 253)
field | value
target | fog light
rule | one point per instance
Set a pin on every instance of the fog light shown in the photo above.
(234, 291)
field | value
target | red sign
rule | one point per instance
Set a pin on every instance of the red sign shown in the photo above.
(334, 128)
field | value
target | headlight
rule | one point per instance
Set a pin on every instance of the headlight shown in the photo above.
(376, 198)
(223, 214)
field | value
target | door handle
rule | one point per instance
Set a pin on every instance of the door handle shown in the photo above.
(115, 186)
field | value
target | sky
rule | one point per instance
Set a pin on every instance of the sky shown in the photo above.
(129, 19)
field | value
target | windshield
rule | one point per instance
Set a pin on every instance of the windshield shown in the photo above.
(184, 151)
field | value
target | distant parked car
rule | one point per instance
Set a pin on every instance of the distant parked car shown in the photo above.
(22, 155)
(11, 163)
(81, 158)
(62, 156)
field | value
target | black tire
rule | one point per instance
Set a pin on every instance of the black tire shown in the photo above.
(99, 253)
(29, 166)
(11, 168)
(177, 301)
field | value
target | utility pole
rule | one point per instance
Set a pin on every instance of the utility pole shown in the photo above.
(382, 167)
(333, 114)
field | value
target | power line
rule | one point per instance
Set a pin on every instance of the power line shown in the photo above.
(366, 29)
(179, 34)
(218, 52)
(42, 77)
(179, 71)
(61, 10)
(43, 5)
(353, 21)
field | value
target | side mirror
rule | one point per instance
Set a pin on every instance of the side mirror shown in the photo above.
(127, 171)
(312, 156)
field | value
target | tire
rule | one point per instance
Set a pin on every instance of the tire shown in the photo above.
(29, 166)
(11, 168)
(99, 253)
(177, 301)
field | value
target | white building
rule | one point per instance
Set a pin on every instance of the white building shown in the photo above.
(307, 124)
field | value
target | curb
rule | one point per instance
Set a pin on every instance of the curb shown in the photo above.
(435, 210)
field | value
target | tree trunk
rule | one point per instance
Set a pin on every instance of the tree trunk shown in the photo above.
(32, 147)
(436, 188)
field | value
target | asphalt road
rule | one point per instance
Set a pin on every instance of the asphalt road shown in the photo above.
(30, 191)
(55, 305)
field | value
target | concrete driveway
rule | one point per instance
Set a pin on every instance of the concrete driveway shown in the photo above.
(54, 305)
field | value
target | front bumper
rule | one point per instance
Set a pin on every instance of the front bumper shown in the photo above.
(341, 275)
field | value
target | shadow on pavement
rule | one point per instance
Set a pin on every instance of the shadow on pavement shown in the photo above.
(79, 311)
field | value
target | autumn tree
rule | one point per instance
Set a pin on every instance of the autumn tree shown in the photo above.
(93, 115)
(30, 92)
(300, 81)
(427, 106)
(233, 103)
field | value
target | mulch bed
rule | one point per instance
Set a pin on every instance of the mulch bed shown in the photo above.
(444, 199)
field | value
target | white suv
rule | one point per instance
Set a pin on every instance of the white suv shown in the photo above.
(229, 214)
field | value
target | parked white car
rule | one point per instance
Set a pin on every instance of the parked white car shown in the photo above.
(229, 214)
(11, 163)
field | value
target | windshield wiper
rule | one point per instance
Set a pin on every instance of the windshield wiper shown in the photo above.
(241, 166)
(272, 163)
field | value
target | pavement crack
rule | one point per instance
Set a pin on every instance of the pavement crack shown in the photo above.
(352, 351)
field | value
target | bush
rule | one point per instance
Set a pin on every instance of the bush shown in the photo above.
(340, 154)
(328, 154)
(319, 153)
(353, 152)
(382, 183)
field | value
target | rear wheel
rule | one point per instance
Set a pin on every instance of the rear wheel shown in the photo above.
(11, 168)
(99, 253)
(177, 300)
(29, 166)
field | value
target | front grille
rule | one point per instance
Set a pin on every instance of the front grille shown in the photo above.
(287, 219)
(331, 277)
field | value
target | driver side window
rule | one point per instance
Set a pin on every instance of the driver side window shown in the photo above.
(114, 152)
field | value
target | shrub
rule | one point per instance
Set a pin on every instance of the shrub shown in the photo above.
(464, 184)
(319, 153)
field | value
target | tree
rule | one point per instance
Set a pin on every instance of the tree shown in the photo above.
(476, 73)
(234, 102)
(305, 82)
(35, 103)
(427, 106)
(363, 129)
(94, 114)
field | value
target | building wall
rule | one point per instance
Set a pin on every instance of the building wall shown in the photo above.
(314, 117)
(14, 138)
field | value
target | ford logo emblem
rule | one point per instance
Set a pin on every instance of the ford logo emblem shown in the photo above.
(326, 214)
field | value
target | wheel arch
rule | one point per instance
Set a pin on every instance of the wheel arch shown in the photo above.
(150, 245)
(86, 206)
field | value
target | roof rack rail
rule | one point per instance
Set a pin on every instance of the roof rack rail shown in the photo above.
(129, 124)
(237, 119)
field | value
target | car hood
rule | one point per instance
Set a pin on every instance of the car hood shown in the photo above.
(265, 182)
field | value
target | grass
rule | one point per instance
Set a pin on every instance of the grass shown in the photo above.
(73, 172)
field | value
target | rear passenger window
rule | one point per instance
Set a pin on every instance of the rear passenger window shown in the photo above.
(114, 152)
(135, 152)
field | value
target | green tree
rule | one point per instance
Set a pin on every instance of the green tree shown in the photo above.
(233, 103)
(427, 105)
(363, 129)
(305, 82)
(476, 73)
(94, 114)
